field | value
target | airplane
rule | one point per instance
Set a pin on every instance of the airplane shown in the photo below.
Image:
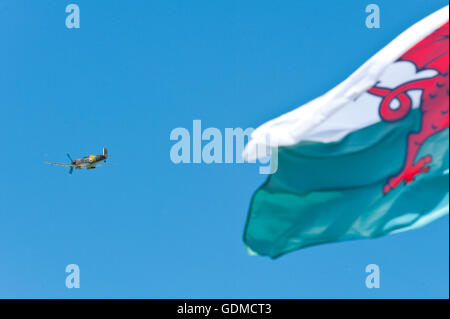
(88, 162)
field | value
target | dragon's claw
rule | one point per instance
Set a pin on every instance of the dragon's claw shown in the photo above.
(408, 174)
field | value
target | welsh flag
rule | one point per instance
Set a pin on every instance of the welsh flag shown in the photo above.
(368, 158)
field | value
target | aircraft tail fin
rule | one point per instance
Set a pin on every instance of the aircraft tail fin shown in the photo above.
(105, 152)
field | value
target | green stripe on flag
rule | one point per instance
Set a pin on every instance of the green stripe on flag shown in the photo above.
(334, 192)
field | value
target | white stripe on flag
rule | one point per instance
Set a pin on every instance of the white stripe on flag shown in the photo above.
(332, 116)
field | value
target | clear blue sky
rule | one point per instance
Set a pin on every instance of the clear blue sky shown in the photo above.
(145, 227)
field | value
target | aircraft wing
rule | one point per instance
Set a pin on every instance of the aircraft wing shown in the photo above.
(61, 164)
(103, 165)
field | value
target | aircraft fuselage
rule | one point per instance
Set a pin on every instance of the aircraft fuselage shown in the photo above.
(89, 161)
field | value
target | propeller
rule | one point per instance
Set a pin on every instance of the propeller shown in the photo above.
(72, 162)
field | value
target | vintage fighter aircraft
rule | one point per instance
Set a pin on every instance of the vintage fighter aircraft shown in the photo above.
(88, 162)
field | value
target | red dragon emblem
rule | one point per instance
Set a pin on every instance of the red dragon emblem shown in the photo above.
(430, 53)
